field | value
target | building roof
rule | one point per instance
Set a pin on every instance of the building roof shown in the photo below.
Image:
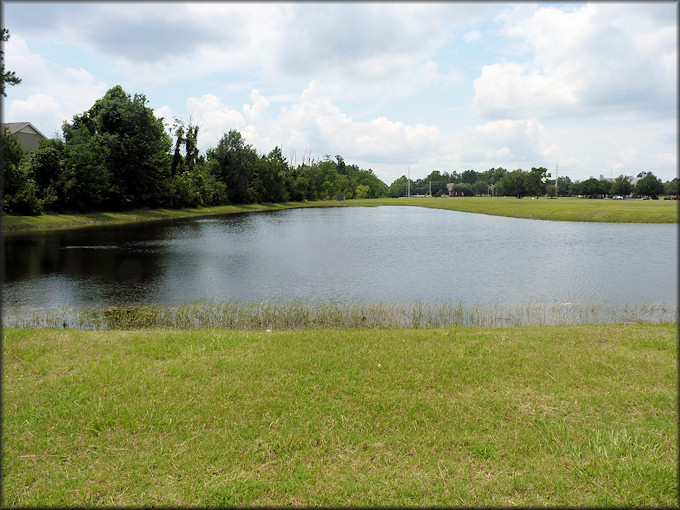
(15, 127)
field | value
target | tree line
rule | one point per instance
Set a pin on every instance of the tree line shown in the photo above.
(119, 156)
(521, 183)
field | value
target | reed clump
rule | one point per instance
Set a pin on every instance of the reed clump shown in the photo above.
(303, 315)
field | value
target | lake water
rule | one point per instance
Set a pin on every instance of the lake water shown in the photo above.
(381, 254)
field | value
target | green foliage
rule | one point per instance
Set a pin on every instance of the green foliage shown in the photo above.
(399, 188)
(20, 191)
(649, 185)
(514, 184)
(672, 187)
(621, 186)
(135, 164)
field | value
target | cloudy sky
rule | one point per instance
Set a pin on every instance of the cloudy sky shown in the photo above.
(388, 86)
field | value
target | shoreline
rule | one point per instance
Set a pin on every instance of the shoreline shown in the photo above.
(562, 209)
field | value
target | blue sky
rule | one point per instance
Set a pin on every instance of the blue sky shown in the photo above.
(443, 86)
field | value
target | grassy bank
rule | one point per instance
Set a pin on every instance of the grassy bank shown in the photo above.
(562, 209)
(50, 221)
(528, 416)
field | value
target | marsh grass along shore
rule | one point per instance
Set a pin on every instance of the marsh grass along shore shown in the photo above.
(525, 416)
(561, 209)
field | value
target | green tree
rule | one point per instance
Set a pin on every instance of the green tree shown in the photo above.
(87, 178)
(469, 176)
(563, 185)
(480, 188)
(236, 162)
(621, 186)
(514, 183)
(672, 187)
(47, 167)
(551, 191)
(362, 191)
(590, 187)
(6, 77)
(535, 181)
(649, 185)
(399, 188)
(19, 188)
(135, 145)
(273, 174)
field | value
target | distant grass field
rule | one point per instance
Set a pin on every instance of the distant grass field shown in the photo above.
(525, 416)
(561, 209)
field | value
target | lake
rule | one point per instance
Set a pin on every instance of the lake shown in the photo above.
(347, 254)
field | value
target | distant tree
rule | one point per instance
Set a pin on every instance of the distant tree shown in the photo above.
(273, 174)
(649, 185)
(480, 188)
(6, 77)
(672, 187)
(551, 191)
(362, 191)
(621, 186)
(398, 188)
(605, 186)
(575, 188)
(469, 176)
(493, 175)
(236, 162)
(563, 185)
(590, 187)
(462, 189)
(535, 180)
(514, 183)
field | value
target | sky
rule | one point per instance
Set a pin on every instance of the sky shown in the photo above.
(586, 89)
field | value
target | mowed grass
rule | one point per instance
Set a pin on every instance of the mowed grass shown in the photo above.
(561, 209)
(54, 221)
(528, 416)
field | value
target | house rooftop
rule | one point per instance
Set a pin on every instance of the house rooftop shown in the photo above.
(18, 126)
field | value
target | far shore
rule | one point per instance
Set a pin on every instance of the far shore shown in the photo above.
(561, 209)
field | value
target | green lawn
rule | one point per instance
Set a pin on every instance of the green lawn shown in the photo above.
(527, 416)
(562, 209)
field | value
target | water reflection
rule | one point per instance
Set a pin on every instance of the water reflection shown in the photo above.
(383, 254)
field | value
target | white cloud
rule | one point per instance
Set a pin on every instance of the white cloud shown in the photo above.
(50, 94)
(599, 57)
(472, 35)
(213, 118)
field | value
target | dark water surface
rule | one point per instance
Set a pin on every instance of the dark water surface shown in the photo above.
(381, 254)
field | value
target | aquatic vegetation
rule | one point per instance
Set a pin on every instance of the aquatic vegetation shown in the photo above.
(292, 315)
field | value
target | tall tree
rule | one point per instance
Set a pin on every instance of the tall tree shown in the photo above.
(649, 185)
(136, 147)
(621, 186)
(236, 164)
(6, 77)
(514, 183)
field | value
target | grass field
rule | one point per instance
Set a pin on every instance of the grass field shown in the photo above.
(562, 209)
(528, 416)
